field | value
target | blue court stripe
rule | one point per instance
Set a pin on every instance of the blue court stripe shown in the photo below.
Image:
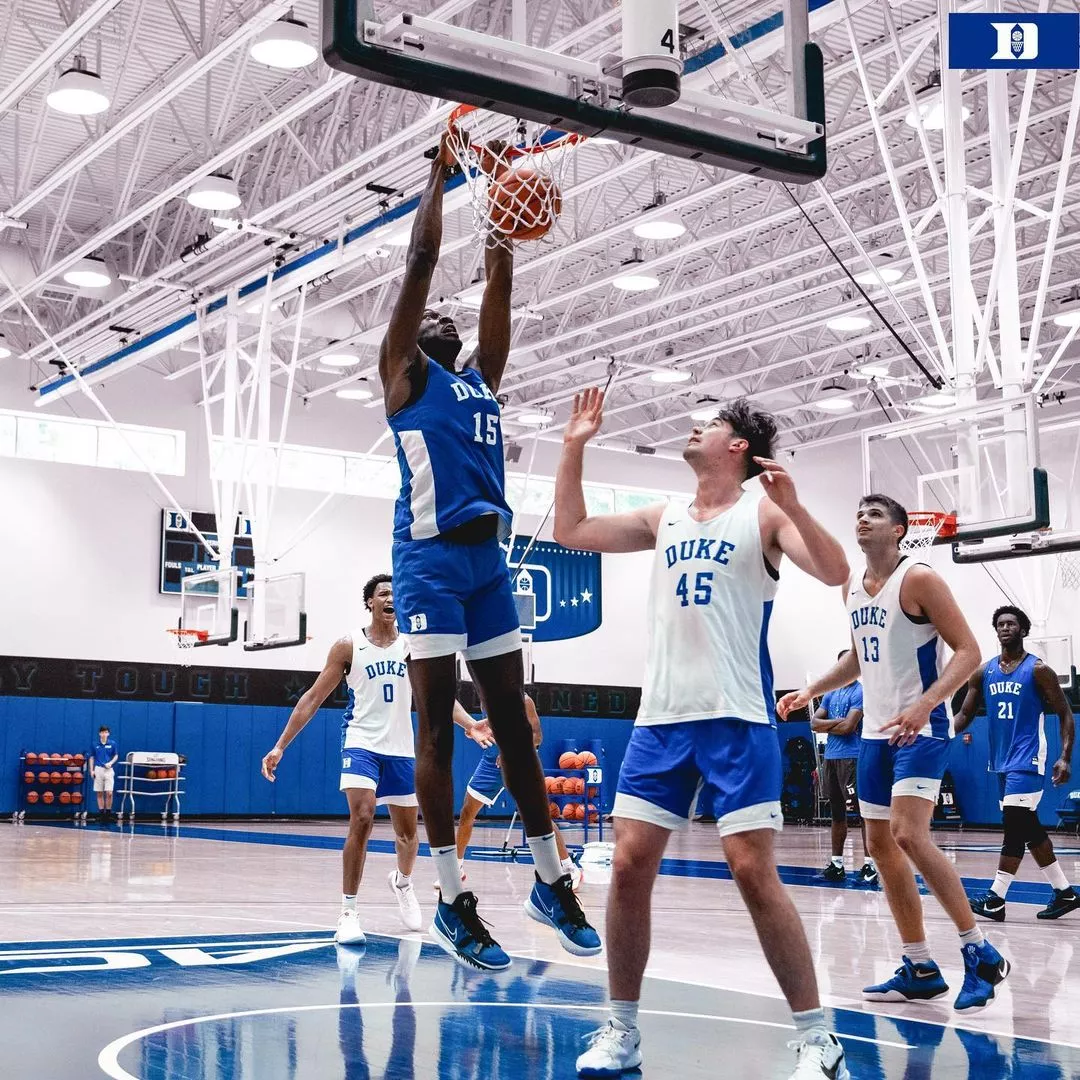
(1021, 892)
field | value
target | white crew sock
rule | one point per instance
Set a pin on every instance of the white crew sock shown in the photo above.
(348, 902)
(838, 860)
(401, 880)
(567, 865)
(625, 1012)
(918, 952)
(545, 853)
(446, 866)
(1055, 875)
(974, 936)
(1001, 883)
(869, 862)
(810, 1026)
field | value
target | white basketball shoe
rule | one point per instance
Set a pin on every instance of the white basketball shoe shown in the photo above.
(348, 930)
(817, 1062)
(408, 905)
(613, 1050)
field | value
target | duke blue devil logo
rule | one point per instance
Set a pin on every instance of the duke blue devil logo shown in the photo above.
(1016, 41)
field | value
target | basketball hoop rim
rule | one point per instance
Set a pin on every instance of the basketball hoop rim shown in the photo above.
(182, 632)
(945, 524)
(568, 138)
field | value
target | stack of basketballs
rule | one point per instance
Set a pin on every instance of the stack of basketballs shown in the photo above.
(54, 778)
(564, 787)
(160, 774)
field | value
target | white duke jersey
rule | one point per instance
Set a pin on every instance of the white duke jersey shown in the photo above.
(710, 603)
(379, 714)
(899, 656)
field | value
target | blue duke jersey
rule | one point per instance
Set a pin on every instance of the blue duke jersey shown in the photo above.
(379, 714)
(899, 656)
(450, 452)
(711, 599)
(1014, 710)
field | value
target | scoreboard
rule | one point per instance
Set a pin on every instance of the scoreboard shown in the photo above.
(183, 553)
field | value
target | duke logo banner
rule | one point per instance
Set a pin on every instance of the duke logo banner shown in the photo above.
(557, 589)
(1014, 40)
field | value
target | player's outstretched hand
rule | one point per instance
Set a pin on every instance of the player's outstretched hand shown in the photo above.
(480, 733)
(1062, 772)
(906, 726)
(270, 763)
(793, 701)
(778, 484)
(586, 416)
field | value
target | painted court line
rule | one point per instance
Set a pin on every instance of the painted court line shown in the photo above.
(109, 1063)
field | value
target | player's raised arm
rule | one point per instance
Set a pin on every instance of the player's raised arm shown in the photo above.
(398, 354)
(632, 531)
(493, 328)
(972, 701)
(338, 661)
(1054, 701)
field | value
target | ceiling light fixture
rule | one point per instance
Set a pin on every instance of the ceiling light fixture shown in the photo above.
(285, 44)
(848, 324)
(215, 192)
(930, 105)
(671, 375)
(873, 370)
(88, 273)
(533, 418)
(705, 409)
(939, 399)
(226, 222)
(631, 281)
(888, 273)
(836, 399)
(78, 92)
(5, 352)
(1068, 314)
(339, 359)
(667, 226)
(354, 393)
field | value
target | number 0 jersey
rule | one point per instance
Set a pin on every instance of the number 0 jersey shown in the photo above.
(899, 656)
(379, 714)
(710, 603)
(1014, 710)
(450, 452)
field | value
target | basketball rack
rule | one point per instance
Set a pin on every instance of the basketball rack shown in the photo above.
(585, 97)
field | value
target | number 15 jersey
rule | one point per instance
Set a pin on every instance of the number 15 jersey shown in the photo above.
(711, 600)
(900, 656)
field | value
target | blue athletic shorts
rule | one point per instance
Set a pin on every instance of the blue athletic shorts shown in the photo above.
(454, 598)
(886, 771)
(486, 783)
(392, 778)
(1021, 789)
(666, 764)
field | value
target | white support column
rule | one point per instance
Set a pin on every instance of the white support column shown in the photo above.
(230, 481)
(796, 35)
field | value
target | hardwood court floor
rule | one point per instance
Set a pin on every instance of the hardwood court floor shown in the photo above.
(72, 887)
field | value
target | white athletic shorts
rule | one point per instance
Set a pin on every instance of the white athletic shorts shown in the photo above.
(104, 779)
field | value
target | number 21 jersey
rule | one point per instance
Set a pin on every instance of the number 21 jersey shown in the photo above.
(709, 608)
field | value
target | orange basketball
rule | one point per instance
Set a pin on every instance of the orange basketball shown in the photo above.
(31, 758)
(56, 759)
(78, 759)
(553, 810)
(587, 758)
(594, 815)
(43, 776)
(29, 777)
(152, 774)
(547, 784)
(56, 777)
(523, 203)
(32, 796)
(48, 797)
(65, 778)
(567, 760)
(65, 758)
(65, 797)
(172, 774)
(78, 778)
(76, 797)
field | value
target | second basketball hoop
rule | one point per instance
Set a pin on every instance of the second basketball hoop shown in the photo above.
(512, 170)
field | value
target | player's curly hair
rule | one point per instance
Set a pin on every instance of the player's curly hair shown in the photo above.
(372, 584)
(1021, 618)
(756, 427)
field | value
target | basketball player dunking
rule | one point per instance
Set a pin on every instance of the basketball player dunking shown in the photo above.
(1018, 689)
(377, 756)
(707, 709)
(901, 613)
(453, 586)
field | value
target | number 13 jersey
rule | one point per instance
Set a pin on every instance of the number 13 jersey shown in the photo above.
(711, 600)
(900, 656)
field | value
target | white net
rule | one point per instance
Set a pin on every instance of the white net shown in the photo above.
(1069, 570)
(513, 172)
(924, 527)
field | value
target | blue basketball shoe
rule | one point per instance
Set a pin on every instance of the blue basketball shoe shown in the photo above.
(459, 930)
(911, 982)
(984, 968)
(556, 906)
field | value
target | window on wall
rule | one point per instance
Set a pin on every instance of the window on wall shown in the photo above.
(74, 441)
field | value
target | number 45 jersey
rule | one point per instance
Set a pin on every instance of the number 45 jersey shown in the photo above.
(899, 656)
(712, 596)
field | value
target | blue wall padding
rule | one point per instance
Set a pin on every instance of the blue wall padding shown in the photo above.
(224, 745)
